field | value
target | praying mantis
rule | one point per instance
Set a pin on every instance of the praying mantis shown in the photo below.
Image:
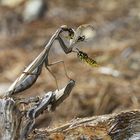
(31, 73)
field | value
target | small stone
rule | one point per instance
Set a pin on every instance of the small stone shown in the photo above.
(33, 10)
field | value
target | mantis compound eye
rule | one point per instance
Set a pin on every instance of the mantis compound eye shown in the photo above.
(69, 32)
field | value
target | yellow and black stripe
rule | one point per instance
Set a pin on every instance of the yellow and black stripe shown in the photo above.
(85, 58)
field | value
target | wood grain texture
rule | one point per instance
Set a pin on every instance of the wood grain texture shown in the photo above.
(122, 126)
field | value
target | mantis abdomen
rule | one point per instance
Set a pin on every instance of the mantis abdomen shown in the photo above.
(22, 83)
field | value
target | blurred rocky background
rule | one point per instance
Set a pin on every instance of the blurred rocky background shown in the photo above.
(26, 25)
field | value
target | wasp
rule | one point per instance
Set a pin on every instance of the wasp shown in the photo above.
(85, 58)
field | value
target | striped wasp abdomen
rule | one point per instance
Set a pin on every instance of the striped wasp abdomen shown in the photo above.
(85, 58)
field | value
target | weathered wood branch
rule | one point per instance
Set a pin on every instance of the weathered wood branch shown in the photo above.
(17, 121)
(10, 118)
(122, 126)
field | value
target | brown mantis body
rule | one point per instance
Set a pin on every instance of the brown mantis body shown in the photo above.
(31, 73)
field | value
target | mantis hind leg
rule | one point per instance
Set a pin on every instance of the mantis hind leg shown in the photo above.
(64, 66)
(53, 77)
(47, 65)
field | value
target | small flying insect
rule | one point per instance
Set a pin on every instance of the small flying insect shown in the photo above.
(85, 58)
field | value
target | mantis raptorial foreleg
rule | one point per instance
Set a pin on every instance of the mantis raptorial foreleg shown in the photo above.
(63, 46)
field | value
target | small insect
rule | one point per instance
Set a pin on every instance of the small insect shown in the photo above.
(85, 58)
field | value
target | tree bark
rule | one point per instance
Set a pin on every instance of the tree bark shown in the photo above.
(121, 126)
(18, 115)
